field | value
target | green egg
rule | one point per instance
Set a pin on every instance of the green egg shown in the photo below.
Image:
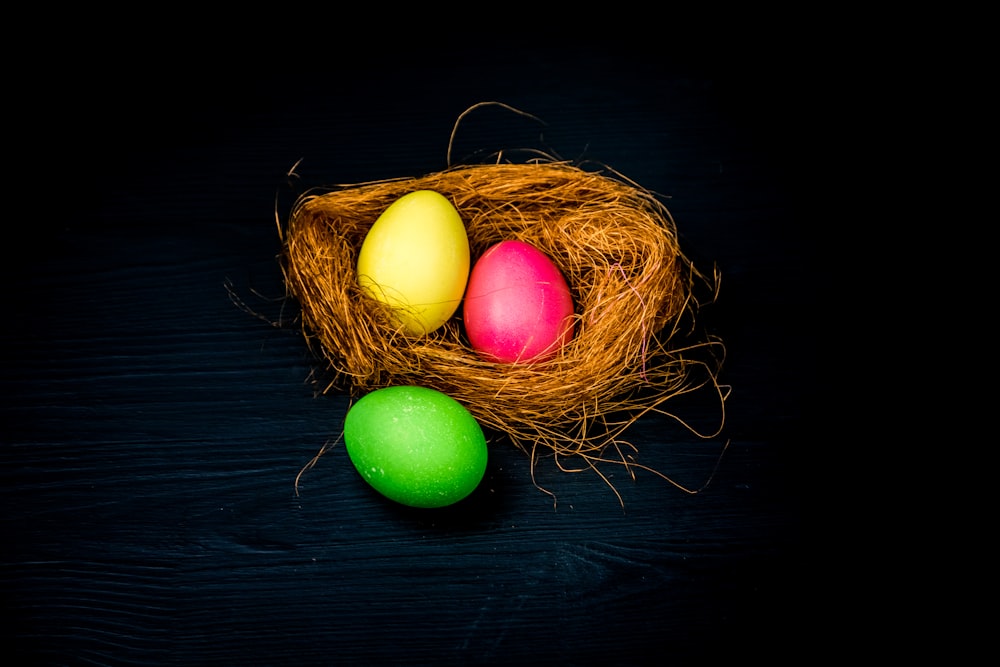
(415, 445)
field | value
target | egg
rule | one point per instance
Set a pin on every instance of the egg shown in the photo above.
(415, 258)
(518, 307)
(416, 445)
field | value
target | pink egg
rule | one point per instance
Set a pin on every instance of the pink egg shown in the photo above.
(517, 306)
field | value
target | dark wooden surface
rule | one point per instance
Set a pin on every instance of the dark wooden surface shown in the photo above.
(152, 430)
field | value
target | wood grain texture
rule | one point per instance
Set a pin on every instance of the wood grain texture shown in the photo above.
(152, 430)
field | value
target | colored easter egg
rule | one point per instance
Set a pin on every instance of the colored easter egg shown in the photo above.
(416, 445)
(415, 258)
(518, 307)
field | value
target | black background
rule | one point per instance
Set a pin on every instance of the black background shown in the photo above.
(152, 429)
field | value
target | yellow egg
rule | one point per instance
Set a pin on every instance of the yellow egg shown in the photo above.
(415, 258)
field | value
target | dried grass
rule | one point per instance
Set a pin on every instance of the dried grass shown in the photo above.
(636, 344)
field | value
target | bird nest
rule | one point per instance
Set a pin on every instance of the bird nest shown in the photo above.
(616, 244)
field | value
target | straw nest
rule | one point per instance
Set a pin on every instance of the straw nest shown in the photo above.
(616, 244)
